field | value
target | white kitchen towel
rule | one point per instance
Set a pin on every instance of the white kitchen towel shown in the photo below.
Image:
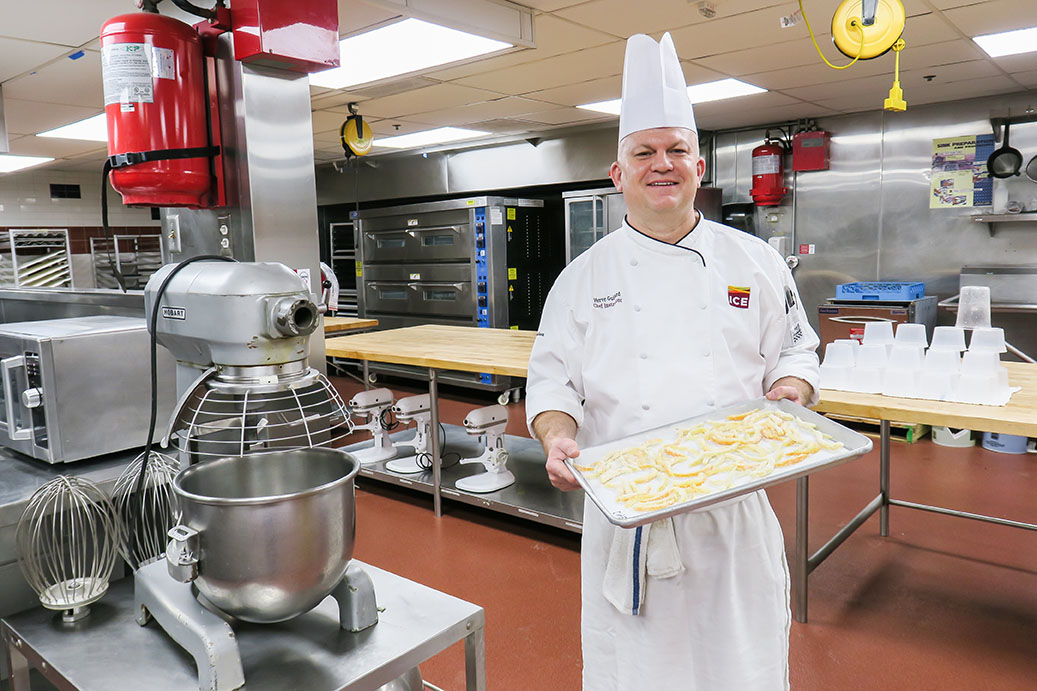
(634, 554)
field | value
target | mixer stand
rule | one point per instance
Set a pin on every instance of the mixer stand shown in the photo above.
(208, 636)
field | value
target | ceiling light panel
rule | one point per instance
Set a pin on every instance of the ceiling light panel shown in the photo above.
(93, 129)
(1008, 42)
(441, 135)
(698, 93)
(9, 164)
(401, 48)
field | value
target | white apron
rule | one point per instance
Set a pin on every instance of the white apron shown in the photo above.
(636, 334)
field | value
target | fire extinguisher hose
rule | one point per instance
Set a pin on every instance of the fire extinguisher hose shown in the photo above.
(133, 158)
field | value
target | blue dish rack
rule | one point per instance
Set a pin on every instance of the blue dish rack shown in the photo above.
(888, 291)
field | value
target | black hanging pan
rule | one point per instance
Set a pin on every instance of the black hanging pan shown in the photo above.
(1006, 161)
(1031, 169)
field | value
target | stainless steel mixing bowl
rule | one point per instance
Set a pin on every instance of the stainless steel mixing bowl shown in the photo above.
(276, 530)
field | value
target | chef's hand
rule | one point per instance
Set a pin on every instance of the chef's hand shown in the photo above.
(556, 430)
(792, 388)
(558, 450)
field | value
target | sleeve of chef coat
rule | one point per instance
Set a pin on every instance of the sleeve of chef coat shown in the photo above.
(554, 380)
(798, 355)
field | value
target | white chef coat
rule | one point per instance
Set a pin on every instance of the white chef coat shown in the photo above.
(636, 334)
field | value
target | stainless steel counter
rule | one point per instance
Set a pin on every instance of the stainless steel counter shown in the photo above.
(531, 497)
(108, 650)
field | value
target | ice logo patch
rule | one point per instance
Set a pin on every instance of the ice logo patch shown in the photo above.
(738, 296)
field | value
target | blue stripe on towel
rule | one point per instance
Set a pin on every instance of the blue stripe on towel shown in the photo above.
(637, 561)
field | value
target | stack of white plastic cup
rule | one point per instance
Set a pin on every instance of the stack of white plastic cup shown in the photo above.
(902, 371)
(871, 364)
(837, 368)
(988, 340)
(940, 371)
(981, 379)
(878, 333)
(949, 338)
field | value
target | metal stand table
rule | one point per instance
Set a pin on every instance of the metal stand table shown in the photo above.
(1018, 417)
(108, 650)
(531, 497)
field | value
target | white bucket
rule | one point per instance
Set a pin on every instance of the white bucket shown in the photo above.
(1004, 443)
(945, 436)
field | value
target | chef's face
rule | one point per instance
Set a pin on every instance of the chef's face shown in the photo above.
(658, 172)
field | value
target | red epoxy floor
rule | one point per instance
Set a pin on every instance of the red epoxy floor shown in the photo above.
(943, 603)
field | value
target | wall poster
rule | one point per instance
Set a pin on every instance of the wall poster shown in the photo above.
(959, 172)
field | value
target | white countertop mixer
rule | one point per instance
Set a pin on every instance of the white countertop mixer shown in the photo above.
(416, 409)
(488, 423)
(374, 404)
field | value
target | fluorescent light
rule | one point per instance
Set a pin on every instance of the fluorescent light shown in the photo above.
(94, 129)
(441, 135)
(9, 164)
(1008, 42)
(399, 48)
(698, 93)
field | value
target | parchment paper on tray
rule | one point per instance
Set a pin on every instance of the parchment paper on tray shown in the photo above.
(606, 499)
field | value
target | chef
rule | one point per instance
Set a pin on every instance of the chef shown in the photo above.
(668, 317)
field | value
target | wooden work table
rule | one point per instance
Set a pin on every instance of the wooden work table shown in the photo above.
(464, 348)
(341, 324)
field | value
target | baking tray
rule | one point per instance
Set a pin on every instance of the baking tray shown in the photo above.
(854, 444)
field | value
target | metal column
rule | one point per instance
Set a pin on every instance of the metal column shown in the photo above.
(433, 390)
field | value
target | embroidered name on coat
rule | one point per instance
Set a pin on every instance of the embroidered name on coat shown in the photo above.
(738, 296)
(608, 301)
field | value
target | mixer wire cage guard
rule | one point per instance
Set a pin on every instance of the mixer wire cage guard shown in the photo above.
(221, 417)
(68, 540)
(147, 517)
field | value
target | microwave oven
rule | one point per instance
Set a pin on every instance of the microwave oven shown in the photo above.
(80, 387)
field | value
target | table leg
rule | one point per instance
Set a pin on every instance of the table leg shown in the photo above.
(884, 477)
(802, 567)
(433, 391)
(18, 666)
(367, 377)
(475, 660)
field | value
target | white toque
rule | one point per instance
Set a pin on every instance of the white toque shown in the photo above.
(654, 92)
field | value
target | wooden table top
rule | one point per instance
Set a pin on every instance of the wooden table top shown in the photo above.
(464, 348)
(1018, 417)
(506, 352)
(337, 324)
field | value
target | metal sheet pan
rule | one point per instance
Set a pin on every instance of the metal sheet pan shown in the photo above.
(854, 444)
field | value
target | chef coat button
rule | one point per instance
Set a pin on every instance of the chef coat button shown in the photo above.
(710, 403)
(637, 308)
(644, 356)
(706, 353)
(703, 306)
(633, 262)
(645, 406)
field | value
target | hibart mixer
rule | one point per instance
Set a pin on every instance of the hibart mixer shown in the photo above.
(416, 409)
(489, 424)
(374, 405)
(268, 520)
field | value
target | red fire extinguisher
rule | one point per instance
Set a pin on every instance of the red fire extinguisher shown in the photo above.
(155, 102)
(768, 173)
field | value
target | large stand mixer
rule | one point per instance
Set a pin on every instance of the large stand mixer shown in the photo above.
(268, 520)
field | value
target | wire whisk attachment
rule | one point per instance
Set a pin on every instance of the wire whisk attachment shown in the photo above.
(146, 519)
(68, 540)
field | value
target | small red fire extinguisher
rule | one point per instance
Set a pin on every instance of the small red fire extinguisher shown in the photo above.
(768, 173)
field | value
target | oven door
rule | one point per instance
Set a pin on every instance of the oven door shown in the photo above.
(20, 385)
(433, 243)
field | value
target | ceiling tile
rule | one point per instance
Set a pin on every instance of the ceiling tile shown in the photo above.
(1016, 63)
(1027, 78)
(970, 88)
(874, 87)
(23, 56)
(68, 22)
(744, 118)
(424, 100)
(550, 5)
(338, 98)
(992, 17)
(509, 106)
(392, 127)
(715, 111)
(943, 53)
(69, 82)
(723, 35)
(817, 74)
(30, 117)
(766, 57)
(930, 28)
(327, 121)
(505, 126)
(947, 4)
(553, 36)
(949, 74)
(58, 148)
(564, 116)
(590, 91)
(571, 68)
(623, 18)
(355, 17)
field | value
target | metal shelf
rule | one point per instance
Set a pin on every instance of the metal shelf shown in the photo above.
(991, 219)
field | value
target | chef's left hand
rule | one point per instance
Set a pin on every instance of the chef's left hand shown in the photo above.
(792, 388)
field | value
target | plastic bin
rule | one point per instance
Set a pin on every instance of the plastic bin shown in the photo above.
(1004, 443)
(880, 290)
(945, 436)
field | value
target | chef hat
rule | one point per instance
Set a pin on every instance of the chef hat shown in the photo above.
(654, 92)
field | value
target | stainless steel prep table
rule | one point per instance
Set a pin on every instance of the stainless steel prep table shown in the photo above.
(531, 497)
(109, 650)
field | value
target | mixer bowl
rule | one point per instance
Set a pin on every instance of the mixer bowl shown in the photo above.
(276, 530)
